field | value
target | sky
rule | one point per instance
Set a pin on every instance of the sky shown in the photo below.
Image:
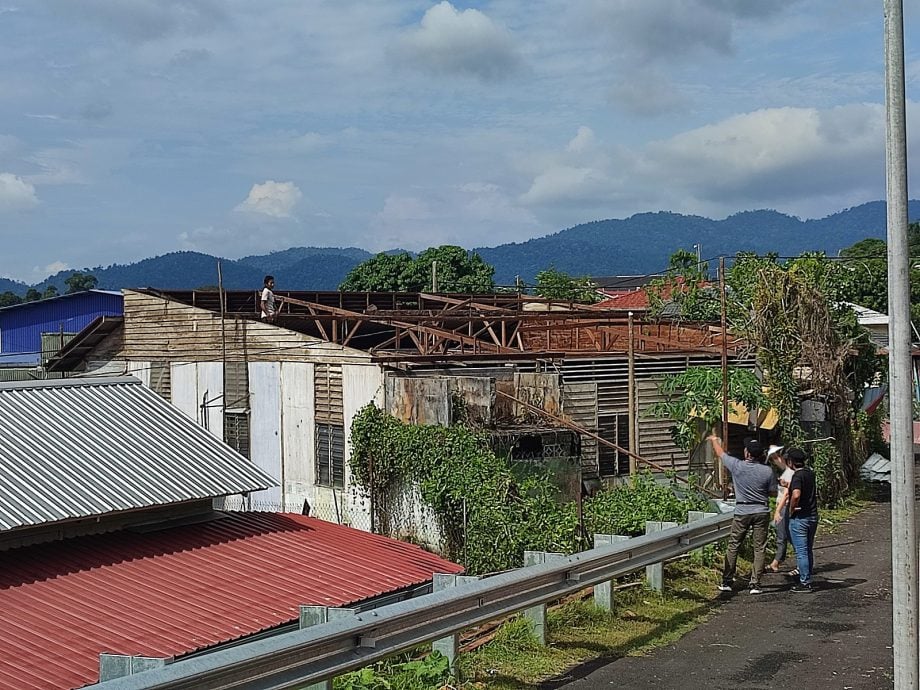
(132, 128)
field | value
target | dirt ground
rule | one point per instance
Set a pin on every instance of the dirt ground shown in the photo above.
(839, 637)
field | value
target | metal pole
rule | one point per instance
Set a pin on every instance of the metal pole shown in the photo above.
(631, 395)
(903, 528)
(724, 319)
(434, 277)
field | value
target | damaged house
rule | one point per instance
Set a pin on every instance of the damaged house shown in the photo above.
(546, 380)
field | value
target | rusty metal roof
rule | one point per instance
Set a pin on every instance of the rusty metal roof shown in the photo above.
(81, 448)
(175, 591)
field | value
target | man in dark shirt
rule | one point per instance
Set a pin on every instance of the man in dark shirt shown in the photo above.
(803, 518)
(754, 484)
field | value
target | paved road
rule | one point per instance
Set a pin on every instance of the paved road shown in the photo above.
(839, 637)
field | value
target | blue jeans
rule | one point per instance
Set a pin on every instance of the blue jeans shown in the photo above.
(802, 534)
(782, 536)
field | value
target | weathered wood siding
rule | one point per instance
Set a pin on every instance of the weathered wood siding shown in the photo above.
(158, 328)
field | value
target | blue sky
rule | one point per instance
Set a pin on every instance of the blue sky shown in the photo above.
(130, 128)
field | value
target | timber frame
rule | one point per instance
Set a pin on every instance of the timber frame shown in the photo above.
(429, 327)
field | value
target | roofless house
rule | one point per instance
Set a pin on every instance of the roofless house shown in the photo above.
(284, 394)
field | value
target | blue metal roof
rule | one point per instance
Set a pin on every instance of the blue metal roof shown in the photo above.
(22, 325)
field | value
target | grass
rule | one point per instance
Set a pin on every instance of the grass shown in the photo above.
(580, 632)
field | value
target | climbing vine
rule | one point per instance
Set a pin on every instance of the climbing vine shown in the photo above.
(486, 514)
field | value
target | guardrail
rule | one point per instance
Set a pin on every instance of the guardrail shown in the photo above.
(292, 660)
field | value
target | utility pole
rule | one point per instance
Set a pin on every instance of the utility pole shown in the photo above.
(699, 254)
(904, 572)
(724, 319)
(434, 276)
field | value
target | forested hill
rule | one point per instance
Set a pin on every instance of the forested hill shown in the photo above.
(636, 245)
(642, 243)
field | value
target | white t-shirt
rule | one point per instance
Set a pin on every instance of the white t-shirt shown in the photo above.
(268, 302)
(784, 480)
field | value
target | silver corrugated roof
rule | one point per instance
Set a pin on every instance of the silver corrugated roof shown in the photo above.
(72, 449)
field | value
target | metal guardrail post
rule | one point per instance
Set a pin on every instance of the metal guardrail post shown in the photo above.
(317, 615)
(603, 592)
(448, 646)
(536, 615)
(693, 516)
(654, 574)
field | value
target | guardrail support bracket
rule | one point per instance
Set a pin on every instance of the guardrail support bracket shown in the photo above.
(654, 574)
(449, 646)
(603, 592)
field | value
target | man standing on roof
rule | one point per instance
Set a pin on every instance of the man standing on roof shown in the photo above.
(268, 300)
(754, 484)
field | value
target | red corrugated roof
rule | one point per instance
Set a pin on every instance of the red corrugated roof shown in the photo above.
(637, 299)
(170, 592)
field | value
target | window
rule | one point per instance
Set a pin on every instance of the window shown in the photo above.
(614, 428)
(236, 411)
(330, 455)
(236, 431)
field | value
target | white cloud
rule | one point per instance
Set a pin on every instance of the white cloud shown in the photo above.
(773, 155)
(55, 267)
(15, 193)
(275, 199)
(459, 42)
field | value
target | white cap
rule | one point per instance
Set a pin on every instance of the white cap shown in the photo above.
(773, 449)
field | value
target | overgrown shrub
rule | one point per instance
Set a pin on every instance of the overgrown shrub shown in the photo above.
(487, 516)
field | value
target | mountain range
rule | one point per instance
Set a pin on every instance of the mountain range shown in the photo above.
(637, 245)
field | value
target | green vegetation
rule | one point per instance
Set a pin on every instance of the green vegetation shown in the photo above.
(693, 397)
(457, 271)
(685, 289)
(79, 282)
(553, 284)
(580, 632)
(458, 475)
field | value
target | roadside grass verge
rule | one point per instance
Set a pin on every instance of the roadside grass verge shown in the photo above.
(579, 632)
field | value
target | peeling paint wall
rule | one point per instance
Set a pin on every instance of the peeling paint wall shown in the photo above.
(419, 400)
(478, 396)
(539, 390)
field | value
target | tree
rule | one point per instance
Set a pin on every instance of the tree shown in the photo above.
(553, 284)
(31, 295)
(50, 292)
(8, 299)
(381, 273)
(457, 271)
(684, 290)
(80, 282)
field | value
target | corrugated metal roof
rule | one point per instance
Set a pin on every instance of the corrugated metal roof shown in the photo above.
(172, 592)
(73, 449)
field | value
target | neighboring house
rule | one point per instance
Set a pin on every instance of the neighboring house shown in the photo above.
(873, 321)
(30, 332)
(616, 286)
(285, 394)
(110, 547)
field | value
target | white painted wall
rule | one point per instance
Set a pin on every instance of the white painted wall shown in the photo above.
(140, 370)
(265, 428)
(361, 384)
(211, 386)
(184, 387)
(297, 434)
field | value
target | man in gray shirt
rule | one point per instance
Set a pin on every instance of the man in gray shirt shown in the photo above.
(754, 483)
